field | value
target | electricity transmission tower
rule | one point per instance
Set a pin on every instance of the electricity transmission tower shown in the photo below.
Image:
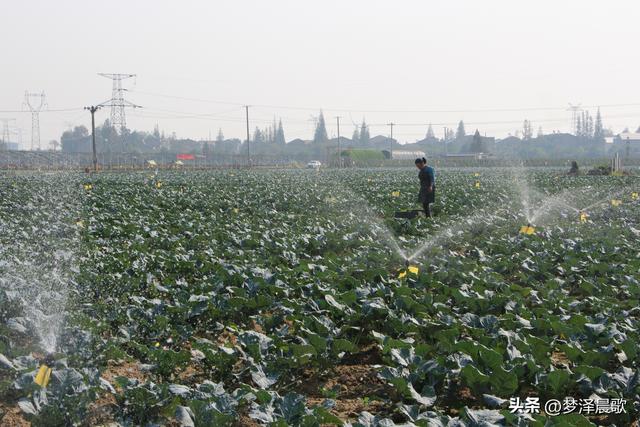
(575, 114)
(35, 102)
(6, 133)
(117, 101)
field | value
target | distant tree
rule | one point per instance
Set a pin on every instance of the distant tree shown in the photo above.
(320, 135)
(76, 140)
(274, 131)
(527, 131)
(598, 130)
(477, 145)
(220, 137)
(269, 134)
(156, 132)
(587, 124)
(364, 133)
(430, 134)
(280, 134)
(460, 133)
(356, 136)
(258, 136)
(206, 151)
(540, 133)
(579, 127)
(448, 134)
(54, 144)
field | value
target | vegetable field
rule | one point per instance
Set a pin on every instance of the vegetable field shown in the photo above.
(244, 298)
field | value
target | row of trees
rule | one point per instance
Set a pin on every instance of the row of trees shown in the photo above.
(360, 135)
(586, 128)
(273, 134)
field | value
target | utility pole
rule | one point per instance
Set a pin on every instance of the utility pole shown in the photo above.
(339, 148)
(627, 150)
(391, 142)
(246, 109)
(93, 110)
(444, 139)
(35, 109)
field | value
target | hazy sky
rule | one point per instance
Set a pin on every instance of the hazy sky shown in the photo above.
(410, 62)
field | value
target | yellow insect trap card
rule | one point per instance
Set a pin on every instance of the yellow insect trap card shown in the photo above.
(527, 229)
(43, 376)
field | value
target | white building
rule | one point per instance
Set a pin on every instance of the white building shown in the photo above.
(407, 155)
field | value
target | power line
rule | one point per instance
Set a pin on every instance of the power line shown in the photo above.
(48, 110)
(358, 110)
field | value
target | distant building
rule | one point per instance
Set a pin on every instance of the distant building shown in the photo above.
(403, 155)
(468, 156)
(631, 137)
(469, 139)
(381, 140)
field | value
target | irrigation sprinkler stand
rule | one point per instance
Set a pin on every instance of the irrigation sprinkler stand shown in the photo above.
(407, 214)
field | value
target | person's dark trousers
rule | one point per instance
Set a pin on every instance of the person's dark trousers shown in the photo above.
(427, 209)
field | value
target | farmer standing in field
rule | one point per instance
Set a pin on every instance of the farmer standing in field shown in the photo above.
(427, 178)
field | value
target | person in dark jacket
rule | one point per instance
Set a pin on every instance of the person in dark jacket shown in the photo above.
(427, 178)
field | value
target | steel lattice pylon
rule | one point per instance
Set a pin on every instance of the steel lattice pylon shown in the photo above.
(117, 101)
(6, 133)
(35, 102)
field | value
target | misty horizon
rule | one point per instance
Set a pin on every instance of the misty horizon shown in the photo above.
(198, 64)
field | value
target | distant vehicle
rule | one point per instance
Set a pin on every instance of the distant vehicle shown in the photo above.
(314, 164)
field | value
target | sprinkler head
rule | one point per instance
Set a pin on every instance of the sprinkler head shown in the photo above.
(49, 359)
(406, 263)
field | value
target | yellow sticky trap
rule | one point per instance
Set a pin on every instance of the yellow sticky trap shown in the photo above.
(236, 210)
(88, 187)
(616, 202)
(80, 224)
(395, 194)
(583, 217)
(476, 174)
(411, 269)
(158, 184)
(369, 180)
(43, 376)
(527, 229)
(157, 344)
(634, 196)
(477, 185)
